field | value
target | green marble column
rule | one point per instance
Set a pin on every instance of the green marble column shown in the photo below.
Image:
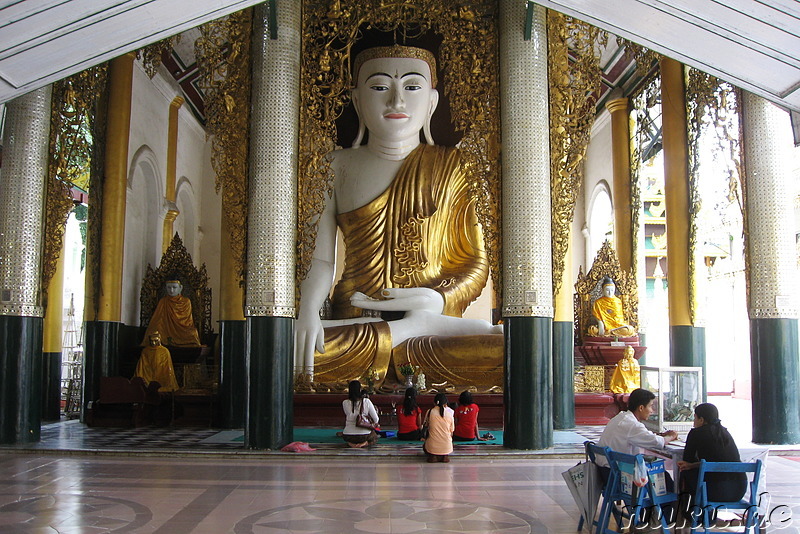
(233, 376)
(100, 357)
(563, 375)
(774, 378)
(269, 386)
(687, 348)
(528, 383)
(20, 379)
(51, 386)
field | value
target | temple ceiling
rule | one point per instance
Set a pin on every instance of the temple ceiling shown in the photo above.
(754, 45)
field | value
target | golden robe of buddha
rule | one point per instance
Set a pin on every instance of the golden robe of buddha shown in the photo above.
(421, 232)
(173, 319)
(608, 311)
(155, 365)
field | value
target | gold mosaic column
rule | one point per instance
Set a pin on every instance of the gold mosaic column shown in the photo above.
(101, 357)
(621, 163)
(172, 165)
(686, 341)
(772, 272)
(52, 343)
(115, 187)
(564, 346)
(22, 193)
(272, 222)
(527, 270)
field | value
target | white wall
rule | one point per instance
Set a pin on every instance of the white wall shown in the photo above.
(146, 202)
(598, 174)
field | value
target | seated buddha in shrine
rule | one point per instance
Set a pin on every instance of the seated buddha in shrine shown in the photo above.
(608, 311)
(155, 365)
(413, 243)
(173, 318)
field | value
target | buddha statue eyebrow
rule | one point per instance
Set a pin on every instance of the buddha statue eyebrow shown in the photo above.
(390, 76)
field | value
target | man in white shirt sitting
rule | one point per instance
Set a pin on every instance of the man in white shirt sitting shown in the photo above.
(626, 431)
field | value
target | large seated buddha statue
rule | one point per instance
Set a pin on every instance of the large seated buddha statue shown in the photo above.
(413, 243)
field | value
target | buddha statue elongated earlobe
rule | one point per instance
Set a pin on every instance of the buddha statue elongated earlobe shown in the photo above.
(361, 126)
(426, 131)
(426, 128)
(360, 134)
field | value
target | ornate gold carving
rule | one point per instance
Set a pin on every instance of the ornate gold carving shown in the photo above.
(177, 263)
(468, 58)
(645, 59)
(588, 288)
(645, 103)
(151, 54)
(72, 116)
(573, 85)
(712, 105)
(223, 59)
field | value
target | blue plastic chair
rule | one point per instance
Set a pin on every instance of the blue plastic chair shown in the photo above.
(703, 512)
(607, 507)
(638, 501)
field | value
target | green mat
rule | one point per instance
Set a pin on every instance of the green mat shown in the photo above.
(328, 435)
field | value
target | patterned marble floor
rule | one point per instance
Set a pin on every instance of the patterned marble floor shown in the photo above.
(87, 494)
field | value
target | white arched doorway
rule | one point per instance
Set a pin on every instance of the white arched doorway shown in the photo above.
(144, 213)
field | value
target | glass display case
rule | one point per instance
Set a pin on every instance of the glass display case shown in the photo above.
(678, 390)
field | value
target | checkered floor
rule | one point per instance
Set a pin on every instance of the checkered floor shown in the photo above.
(73, 435)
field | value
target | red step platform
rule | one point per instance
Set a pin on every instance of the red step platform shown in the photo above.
(325, 409)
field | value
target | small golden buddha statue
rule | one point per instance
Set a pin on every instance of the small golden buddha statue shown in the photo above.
(626, 374)
(155, 365)
(173, 318)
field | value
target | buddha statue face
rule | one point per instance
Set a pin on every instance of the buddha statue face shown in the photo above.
(394, 96)
(155, 339)
(173, 288)
(609, 290)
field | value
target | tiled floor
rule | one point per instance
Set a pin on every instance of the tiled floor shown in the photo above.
(304, 494)
(220, 488)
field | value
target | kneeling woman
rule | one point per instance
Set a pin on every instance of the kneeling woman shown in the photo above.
(353, 406)
(409, 417)
(439, 443)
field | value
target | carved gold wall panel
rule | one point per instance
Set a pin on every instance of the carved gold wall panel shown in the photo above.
(71, 145)
(573, 84)
(223, 59)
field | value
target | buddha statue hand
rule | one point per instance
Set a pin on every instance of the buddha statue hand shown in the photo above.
(309, 335)
(404, 299)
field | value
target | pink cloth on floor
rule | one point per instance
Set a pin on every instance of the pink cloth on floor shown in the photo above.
(297, 446)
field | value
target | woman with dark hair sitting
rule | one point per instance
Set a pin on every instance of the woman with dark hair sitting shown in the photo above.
(409, 417)
(354, 405)
(710, 441)
(466, 417)
(439, 443)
